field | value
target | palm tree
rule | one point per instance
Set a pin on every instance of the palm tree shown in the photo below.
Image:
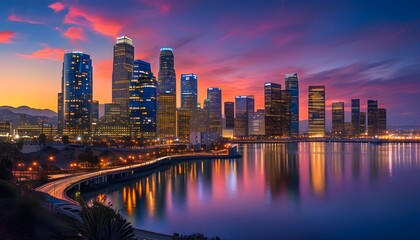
(101, 222)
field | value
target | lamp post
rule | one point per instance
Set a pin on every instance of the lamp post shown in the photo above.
(35, 164)
(51, 158)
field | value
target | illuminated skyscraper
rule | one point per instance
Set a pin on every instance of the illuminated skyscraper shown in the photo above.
(382, 120)
(272, 104)
(230, 115)
(338, 118)
(256, 122)
(77, 94)
(373, 117)
(244, 106)
(292, 85)
(214, 110)
(184, 123)
(189, 91)
(143, 101)
(362, 122)
(112, 113)
(286, 115)
(316, 111)
(60, 112)
(355, 116)
(166, 95)
(95, 112)
(121, 73)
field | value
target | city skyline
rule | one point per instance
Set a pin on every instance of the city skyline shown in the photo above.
(380, 50)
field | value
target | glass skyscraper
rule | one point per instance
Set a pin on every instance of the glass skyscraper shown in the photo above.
(230, 115)
(272, 104)
(292, 85)
(77, 94)
(166, 95)
(189, 91)
(122, 72)
(355, 116)
(373, 117)
(244, 106)
(316, 111)
(214, 110)
(338, 118)
(143, 101)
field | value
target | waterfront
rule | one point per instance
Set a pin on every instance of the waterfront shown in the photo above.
(295, 190)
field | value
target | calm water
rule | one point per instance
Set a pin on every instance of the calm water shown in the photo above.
(283, 191)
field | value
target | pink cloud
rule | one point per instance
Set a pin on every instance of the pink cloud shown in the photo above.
(6, 36)
(93, 20)
(57, 6)
(15, 18)
(163, 8)
(75, 33)
(46, 53)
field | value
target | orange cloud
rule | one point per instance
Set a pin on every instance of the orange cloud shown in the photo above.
(92, 20)
(15, 18)
(46, 53)
(75, 33)
(57, 6)
(6, 36)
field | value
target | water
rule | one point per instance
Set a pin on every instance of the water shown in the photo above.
(283, 191)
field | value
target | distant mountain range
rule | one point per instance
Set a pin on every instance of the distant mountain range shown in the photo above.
(30, 111)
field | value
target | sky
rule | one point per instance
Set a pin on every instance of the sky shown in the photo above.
(357, 49)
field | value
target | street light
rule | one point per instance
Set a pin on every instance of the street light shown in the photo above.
(51, 158)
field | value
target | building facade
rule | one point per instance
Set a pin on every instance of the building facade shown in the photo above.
(373, 117)
(272, 106)
(316, 111)
(286, 113)
(338, 119)
(189, 91)
(256, 123)
(230, 114)
(292, 85)
(214, 110)
(382, 120)
(355, 116)
(244, 106)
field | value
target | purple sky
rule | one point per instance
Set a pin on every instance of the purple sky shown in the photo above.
(357, 49)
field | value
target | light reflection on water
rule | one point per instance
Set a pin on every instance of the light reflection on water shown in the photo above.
(281, 189)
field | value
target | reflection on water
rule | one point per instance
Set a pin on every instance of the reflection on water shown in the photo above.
(188, 196)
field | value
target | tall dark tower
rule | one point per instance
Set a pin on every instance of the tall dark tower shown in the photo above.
(272, 105)
(166, 117)
(316, 111)
(373, 117)
(355, 116)
(214, 110)
(121, 73)
(292, 85)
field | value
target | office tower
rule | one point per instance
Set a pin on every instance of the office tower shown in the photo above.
(166, 95)
(184, 123)
(373, 118)
(95, 111)
(256, 122)
(60, 112)
(230, 114)
(292, 85)
(272, 105)
(362, 122)
(112, 113)
(338, 118)
(244, 106)
(77, 94)
(121, 73)
(199, 120)
(143, 101)
(316, 111)
(382, 120)
(213, 105)
(286, 113)
(189, 91)
(355, 116)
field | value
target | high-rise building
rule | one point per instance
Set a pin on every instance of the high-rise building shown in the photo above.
(189, 91)
(362, 122)
(112, 113)
(256, 122)
(382, 120)
(60, 112)
(244, 106)
(272, 105)
(355, 116)
(121, 73)
(166, 95)
(292, 85)
(77, 94)
(184, 123)
(230, 115)
(95, 111)
(286, 114)
(373, 118)
(316, 111)
(199, 120)
(338, 119)
(214, 110)
(143, 101)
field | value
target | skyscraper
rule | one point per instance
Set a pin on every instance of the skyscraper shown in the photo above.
(382, 120)
(338, 118)
(244, 106)
(60, 112)
(184, 123)
(95, 111)
(316, 111)
(189, 91)
(230, 115)
(355, 116)
(121, 73)
(373, 118)
(77, 94)
(292, 85)
(286, 114)
(256, 122)
(272, 105)
(214, 110)
(362, 122)
(143, 101)
(166, 95)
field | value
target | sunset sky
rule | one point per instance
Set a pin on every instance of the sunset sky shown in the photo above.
(355, 48)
